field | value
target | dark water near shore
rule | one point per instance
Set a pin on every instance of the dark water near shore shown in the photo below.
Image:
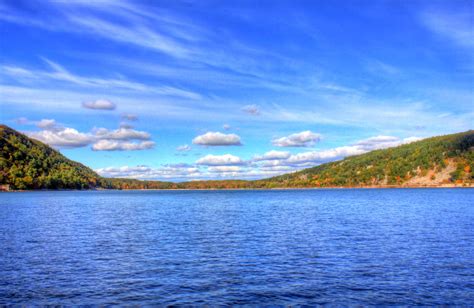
(377, 246)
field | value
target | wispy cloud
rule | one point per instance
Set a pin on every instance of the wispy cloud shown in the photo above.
(454, 26)
(59, 73)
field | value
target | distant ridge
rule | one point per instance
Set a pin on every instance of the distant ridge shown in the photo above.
(440, 161)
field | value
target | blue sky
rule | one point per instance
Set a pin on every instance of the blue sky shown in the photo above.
(184, 90)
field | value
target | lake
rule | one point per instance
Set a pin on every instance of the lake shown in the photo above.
(280, 247)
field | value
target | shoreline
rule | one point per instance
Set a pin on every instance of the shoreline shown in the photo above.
(250, 189)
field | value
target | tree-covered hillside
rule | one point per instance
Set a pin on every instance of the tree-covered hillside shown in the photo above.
(26, 163)
(434, 161)
(29, 164)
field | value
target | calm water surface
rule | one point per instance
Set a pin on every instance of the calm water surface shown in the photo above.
(384, 246)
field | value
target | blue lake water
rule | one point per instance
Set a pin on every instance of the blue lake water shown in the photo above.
(376, 246)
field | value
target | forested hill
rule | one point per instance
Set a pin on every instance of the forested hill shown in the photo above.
(29, 164)
(26, 163)
(439, 161)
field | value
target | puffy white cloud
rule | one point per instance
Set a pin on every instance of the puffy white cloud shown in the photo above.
(62, 137)
(326, 155)
(217, 139)
(183, 148)
(251, 109)
(272, 155)
(219, 160)
(303, 139)
(121, 134)
(46, 123)
(102, 139)
(101, 104)
(118, 145)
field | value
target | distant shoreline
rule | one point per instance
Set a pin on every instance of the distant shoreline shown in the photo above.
(249, 189)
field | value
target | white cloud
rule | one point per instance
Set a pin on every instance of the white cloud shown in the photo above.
(101, 104)
(116, 145)
(59, 73)
(183, 148)
(251, 109)
(46, 123)
(102, 139)
(217, 139)
(272, 155)
(219, 160)
(63, 138)
(303, 139)
(226, 126)
(121, 134)
(325, 156)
